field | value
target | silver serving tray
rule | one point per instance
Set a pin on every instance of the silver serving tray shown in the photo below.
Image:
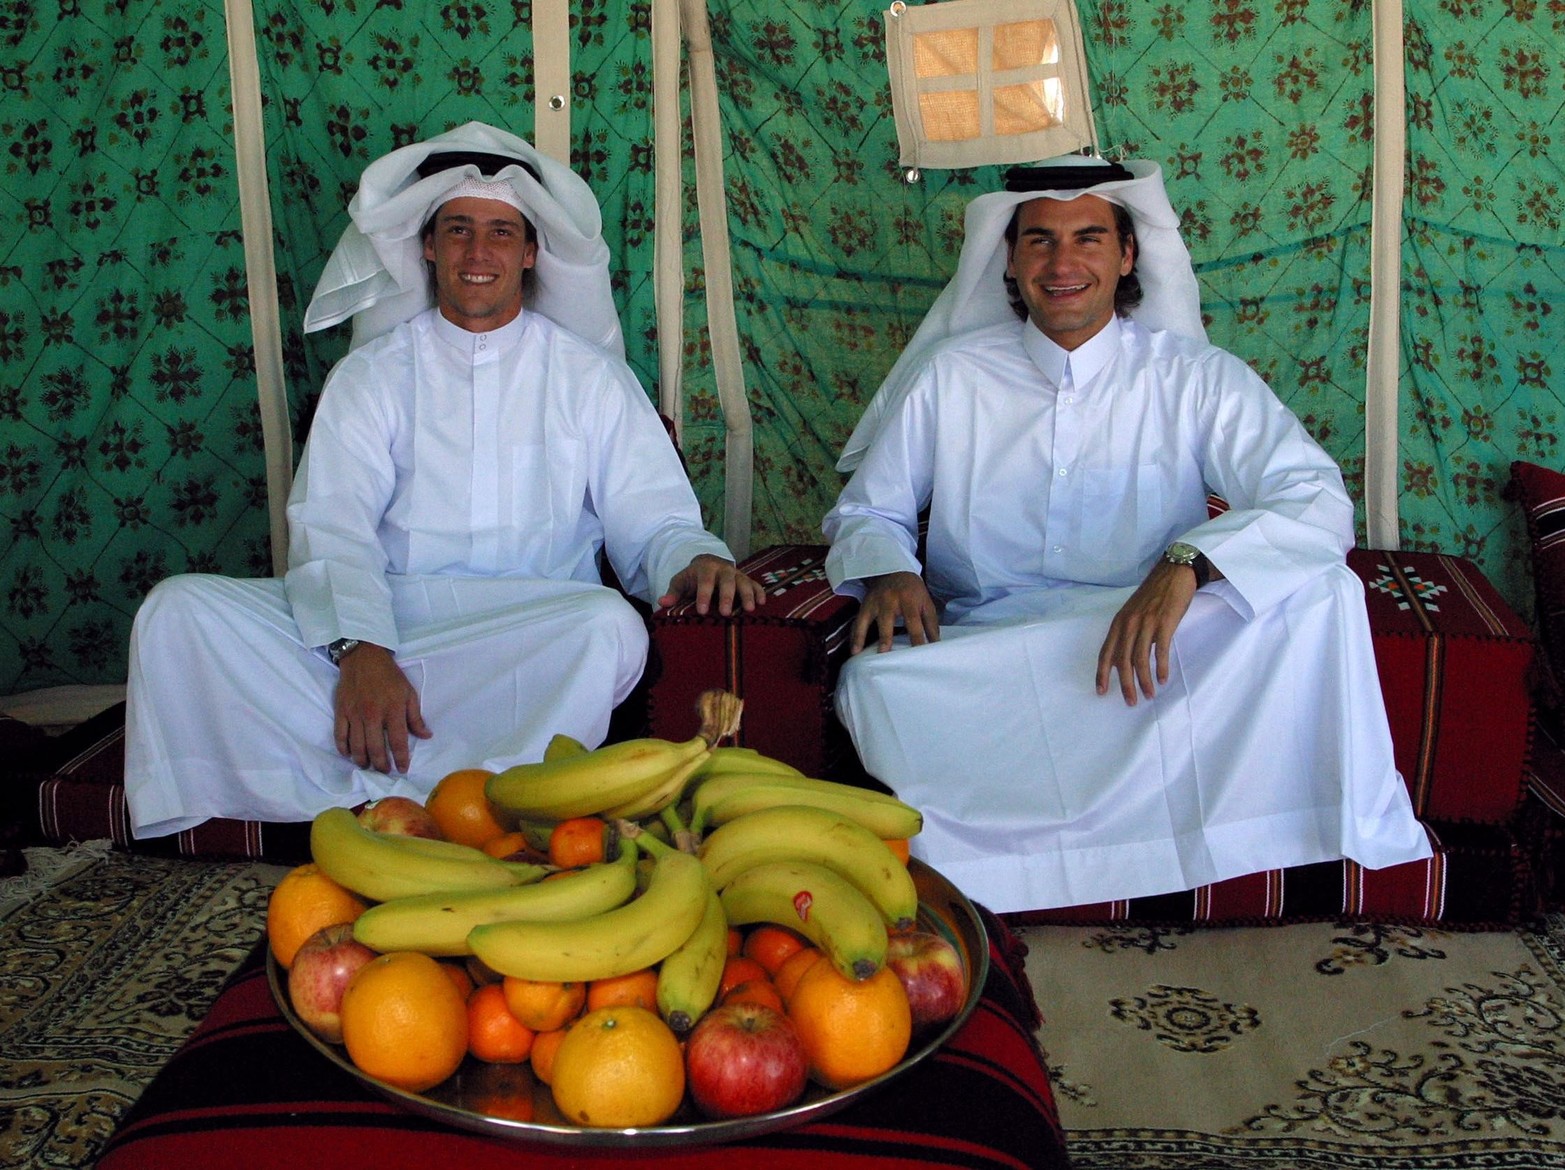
(942, 908)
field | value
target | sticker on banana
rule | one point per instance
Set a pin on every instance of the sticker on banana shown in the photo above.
(803, 833)
(817, 902)
(383, 866)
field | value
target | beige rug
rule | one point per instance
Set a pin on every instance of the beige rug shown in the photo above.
(107, 963)
(1305, 1046)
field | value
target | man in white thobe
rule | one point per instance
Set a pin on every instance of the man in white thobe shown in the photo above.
(1099, 692)
(443, 606)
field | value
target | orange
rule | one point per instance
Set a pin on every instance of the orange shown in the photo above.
(739, 970)
(636, 987)
(509, 844)
(761, 991)
(460, 976)
(493, 1033)
(541, 1005)
(403, 1021)
(794, 966)
(898, 845)
(545, 1045)
(500, 1090)
(619, 1067)
(578, 841)
(771, 945)
(302, 902)
(853, 1030)
(735, 941)
(461, 809)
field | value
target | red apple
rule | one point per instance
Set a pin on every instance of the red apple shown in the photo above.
(399, 814)
(320, 971)
(744, 1058)
(931, 971)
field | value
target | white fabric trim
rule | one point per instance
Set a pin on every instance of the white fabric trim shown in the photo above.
(1384, 359)
(712, 202)
(255, 219)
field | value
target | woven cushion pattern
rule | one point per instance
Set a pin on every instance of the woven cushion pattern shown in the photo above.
(246, 1091)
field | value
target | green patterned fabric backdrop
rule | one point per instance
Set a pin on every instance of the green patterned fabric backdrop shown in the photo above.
(130, 445)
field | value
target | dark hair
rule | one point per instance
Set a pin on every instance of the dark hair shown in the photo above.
(1127, 293)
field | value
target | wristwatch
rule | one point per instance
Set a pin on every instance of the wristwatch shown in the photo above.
(1180, 553)
(338, 649)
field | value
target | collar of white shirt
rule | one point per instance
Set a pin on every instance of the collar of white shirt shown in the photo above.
(478, 346)
(1086, 360)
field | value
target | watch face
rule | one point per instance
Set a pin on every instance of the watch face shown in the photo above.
(1181, 553)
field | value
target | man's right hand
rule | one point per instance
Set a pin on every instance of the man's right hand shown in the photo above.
(894, 596)
(376, 710)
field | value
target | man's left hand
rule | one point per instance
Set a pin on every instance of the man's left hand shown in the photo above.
(1145, 626)
(708, 577)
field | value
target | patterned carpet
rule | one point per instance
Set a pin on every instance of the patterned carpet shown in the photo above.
(109, 961)
(1307, 1046)
(1313, 1046)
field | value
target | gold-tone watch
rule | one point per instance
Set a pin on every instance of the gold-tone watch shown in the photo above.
(1180, 553)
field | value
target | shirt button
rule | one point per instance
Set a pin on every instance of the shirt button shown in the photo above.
(1062, 472)
(1069, 398)
(1059, 548)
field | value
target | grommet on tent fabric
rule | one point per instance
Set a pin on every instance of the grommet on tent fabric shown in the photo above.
(911, 175)
(557, 102)
(897, 8)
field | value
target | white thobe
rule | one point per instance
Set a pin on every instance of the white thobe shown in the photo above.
(451, 504)
(1053, 482)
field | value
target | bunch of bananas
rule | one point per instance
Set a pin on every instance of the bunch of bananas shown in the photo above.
(749, 839)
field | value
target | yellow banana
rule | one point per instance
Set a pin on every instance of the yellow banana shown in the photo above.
(689, 977)
(438, 924)
(786, 832)
(382, 866)
(742, 759)
(725, 797)
(591, 782)
(655, 800)
(562, 747)
(636, 935)
(817, 902)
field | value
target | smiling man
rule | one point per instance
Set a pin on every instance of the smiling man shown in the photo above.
(472, 463)
(1092, 689)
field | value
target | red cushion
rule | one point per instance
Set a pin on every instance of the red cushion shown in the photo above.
(247, 1091)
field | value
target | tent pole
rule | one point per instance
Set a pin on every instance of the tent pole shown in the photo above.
(1383, 360)
(668, 270)
(721, 325)
(255, 220)
(552, 79)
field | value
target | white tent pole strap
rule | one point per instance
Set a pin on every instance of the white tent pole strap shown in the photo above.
(668, 270)
(255, 221)
(552, 78)
(1383, 364)
(712, 204)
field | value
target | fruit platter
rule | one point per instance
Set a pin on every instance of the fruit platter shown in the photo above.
(649, 944)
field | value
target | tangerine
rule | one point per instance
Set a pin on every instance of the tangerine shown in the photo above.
(735, 941)
(460, 976)
(761, 991)
(545, 1045)
(544, 1005)
(619, 1067)
(511, 845)
(403, 1021)
(494, 1034)
(304, 901)
(500, 1090)
(739, 970)
(795, 965)
(634, 987)
(899, 846)
(853, 1029)
(770, 945)
(461, 809)
(578, 841)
